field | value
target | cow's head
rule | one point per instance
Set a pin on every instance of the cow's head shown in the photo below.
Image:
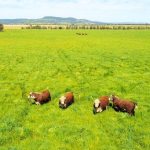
(112, 98)
(32, 97)
(96, 106)
(62, 103)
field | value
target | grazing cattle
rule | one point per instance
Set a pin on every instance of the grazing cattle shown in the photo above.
(81, 33)
(100, 104)
(66, 100)
(123, 105)
(78, 33)
(40, 98)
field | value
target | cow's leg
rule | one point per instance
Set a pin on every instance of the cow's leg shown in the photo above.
(130, 112)
(37, 103)
(99, 109)
(116, 108)
(133, 112)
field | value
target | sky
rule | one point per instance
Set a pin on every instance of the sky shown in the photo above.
(95, 10)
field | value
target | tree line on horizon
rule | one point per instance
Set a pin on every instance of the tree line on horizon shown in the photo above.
(90, 27)
(78, 26)
(1, 27)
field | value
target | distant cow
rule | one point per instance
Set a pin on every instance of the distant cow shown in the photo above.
(40, 98)
(123, 105)
(66, 100)
(100, 104)
(78, 33)
(81, 33)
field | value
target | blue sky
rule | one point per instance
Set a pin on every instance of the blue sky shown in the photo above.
(98, 10)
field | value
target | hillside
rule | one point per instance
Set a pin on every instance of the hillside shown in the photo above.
(49, 20)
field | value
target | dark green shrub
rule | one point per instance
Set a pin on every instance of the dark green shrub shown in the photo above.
(1, 27)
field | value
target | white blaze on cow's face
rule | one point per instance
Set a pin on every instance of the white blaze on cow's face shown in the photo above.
(97, 107)
(62, 100)
(111, 98)
(96, 103)
(31, 96)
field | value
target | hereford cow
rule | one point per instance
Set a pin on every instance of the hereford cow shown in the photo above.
(66, 100)
(100, 104)
(40, 98)
(123, 105)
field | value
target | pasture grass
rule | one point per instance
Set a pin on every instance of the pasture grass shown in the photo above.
(101, 63)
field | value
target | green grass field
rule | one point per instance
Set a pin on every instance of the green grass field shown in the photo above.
(101, 63)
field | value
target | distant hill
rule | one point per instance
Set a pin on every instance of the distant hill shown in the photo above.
(49, 20)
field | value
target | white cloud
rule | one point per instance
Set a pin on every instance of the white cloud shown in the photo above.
(101, 10)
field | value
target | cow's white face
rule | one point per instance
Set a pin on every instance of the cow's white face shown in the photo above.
(62, 103)
(110, 97)
(31, 96)
(97, 107)
(96, 103)
(62, 100)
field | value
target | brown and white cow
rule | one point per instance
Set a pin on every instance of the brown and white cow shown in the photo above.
(123, 105)
(66, 100)
(100, 104)
(40, 98)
